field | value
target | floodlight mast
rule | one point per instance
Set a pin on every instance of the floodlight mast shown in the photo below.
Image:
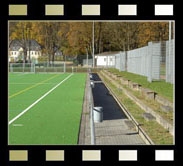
(170, 37)
(93, 43)
(87, 57)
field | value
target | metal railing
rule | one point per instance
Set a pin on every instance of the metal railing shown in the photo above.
(91, 106)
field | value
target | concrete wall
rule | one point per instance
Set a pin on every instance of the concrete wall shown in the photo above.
(146, 61)
(170, 61)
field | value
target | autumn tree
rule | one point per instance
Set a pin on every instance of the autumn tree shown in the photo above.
(75, 38)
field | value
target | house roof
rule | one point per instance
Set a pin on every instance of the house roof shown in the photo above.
(15, 45)
(58, 53)
(108, 53)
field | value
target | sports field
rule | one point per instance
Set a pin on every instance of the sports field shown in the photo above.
(45, 109)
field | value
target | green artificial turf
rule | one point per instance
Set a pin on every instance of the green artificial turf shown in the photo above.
(55, 120)
(161, 87)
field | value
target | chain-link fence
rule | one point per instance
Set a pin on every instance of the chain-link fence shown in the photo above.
(88, 62)
(45, 67)
(21, 67)
(37, 68)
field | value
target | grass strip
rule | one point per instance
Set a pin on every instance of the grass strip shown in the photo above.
(156, 132)
(161, 87)
(152, 104)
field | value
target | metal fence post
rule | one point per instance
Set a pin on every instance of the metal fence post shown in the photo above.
(173, 54)
(125, 68)
(64, 67)
(23, 67)
(34, 67)
(169, 48)
(166, 63)
(11, 67)
(149, 77)
(170, 61)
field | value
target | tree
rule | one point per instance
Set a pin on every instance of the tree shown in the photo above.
(75, 38)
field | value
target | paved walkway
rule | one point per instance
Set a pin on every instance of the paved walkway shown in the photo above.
(115, 129)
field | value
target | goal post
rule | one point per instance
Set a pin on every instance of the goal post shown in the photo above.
(10, 68)
(21, 67)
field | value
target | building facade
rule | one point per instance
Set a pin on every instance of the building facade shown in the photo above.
(106, 59)
(16, 50)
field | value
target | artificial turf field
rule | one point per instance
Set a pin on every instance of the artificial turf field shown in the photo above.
(45, 109)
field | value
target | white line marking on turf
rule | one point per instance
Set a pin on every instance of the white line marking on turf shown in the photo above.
(23, 74)
(19, 125)
(37, 101)
(30, 83)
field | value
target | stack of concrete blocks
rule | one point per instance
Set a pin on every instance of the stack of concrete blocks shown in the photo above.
(147, 93)
(150, 114)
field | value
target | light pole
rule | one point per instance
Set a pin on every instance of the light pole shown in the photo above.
(87, 57)
(170, 37)
(93, 44)
(29, 42)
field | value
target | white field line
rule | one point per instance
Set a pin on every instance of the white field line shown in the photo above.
(20, 74)
(23, 74)
(37, 101)
(18, 125)
(30, 83)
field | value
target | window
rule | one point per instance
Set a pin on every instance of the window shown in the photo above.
(111, 59)
(104, 59)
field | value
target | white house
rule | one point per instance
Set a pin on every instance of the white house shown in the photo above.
(106, 59)
(16, 51)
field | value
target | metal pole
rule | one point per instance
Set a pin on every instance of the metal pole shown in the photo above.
(173, 38)
(91, 106)
(93, 44)
(107, 61)
(34, 67)
(11, 67)
(149, 76)
(169, 46)
(170, 30)
(29, 44)
(87, 57)
(64, 68)
(23, 67)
